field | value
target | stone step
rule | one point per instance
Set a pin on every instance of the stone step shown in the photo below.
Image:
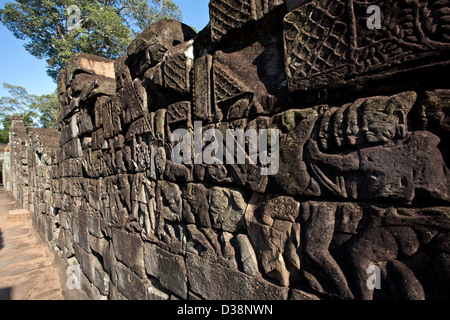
(18, 215)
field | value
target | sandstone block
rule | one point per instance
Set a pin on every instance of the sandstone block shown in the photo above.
(215, 282)
(168, 268)
(19, 215)
(129, 249)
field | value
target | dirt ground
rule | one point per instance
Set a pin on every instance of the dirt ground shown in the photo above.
(26, 265)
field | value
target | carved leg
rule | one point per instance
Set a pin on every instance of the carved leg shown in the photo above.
(318, 235)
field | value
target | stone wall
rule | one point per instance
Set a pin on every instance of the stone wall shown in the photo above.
(4, 159)
(363, 177)
(18, 168)
(44, 191)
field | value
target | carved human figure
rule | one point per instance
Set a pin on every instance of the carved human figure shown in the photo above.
(390, 163)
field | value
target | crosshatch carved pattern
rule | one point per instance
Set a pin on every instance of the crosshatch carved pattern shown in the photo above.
(332, 38)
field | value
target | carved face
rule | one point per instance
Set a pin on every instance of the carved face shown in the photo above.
(379, 127)
(383, 119)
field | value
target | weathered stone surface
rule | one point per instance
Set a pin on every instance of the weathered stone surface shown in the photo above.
(231, 15)
(179, 112)
(129, 249)
(216, 282)
(227, 209)
(81, 235)
(155, 294)
(168, 268)
(293, 4)
(103, 85)
(130, 285)
(301, 295)
(246, 81)
(329, 45)
(247, 256)
(18, 215)
(149, 48)
(275, 235)
(90, 64)
(363, 176)
(172, 75)
(196, 205)
(93, 270)
(203, 99)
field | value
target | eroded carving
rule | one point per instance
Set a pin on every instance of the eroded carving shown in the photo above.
(363, 177)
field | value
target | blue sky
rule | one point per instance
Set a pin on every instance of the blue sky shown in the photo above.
(20, 68)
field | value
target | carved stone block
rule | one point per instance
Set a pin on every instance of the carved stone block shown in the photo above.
(149, 48)
(231, 15)
(328, 44)
(203, 100)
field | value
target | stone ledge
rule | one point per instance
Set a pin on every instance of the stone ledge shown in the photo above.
(18, 215)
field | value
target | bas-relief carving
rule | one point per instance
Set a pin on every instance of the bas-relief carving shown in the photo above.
(363, 181)
(375, 156)
(329, 45)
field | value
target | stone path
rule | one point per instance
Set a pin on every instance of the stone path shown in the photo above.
(26, 265)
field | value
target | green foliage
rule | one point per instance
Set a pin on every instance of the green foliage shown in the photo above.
(4, 133)
(6, 122)
(36, 110)
(20, 102)
(47, 106)
(105, 28)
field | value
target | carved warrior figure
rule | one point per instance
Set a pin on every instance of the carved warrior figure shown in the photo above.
(395, 164)
(363, 151)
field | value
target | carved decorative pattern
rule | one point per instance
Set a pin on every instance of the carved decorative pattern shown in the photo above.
(328, 42)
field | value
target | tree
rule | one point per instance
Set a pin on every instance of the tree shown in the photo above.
(4, 133)
(6, 122)
(36, 110)
(47, 106)
(19, 103)
(55, 30)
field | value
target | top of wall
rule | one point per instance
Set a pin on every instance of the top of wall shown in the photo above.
(47, 137)
(300, 52)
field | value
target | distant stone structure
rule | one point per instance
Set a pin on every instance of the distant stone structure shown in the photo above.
(4, 157)
(363, 183)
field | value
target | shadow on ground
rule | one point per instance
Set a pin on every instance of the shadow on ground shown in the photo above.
(5, 293)
(1, 239)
